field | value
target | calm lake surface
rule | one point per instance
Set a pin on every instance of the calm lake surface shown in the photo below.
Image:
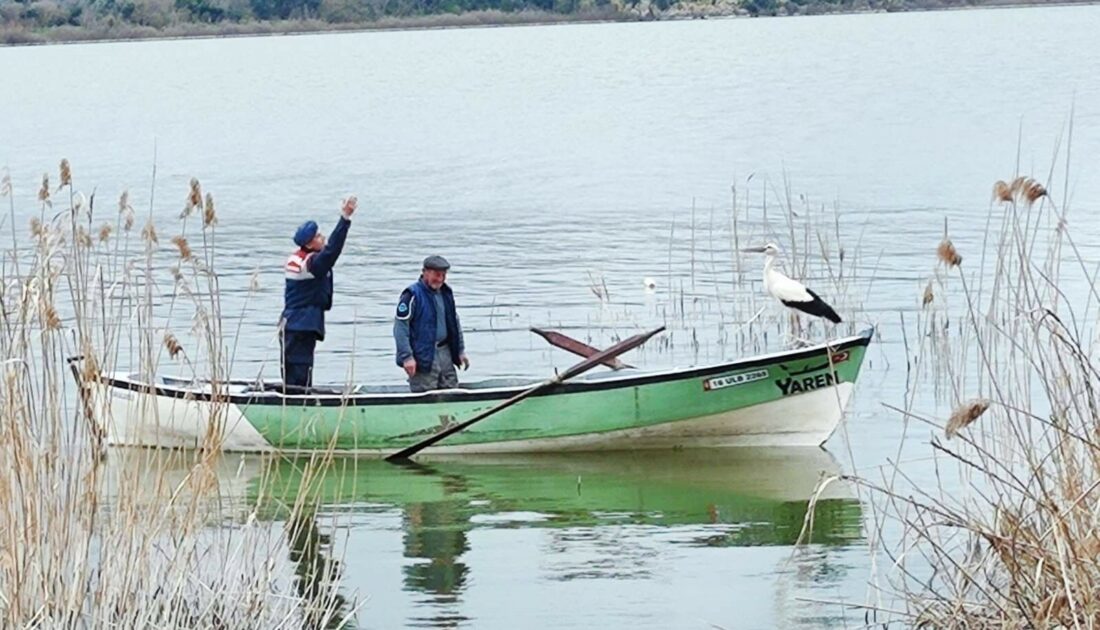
(542, 161)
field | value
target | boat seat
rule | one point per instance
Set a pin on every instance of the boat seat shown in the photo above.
(599, 376)
(493, 383)
(381, 389)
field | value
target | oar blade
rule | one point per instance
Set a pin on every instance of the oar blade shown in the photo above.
(625, 345)
(577, 347)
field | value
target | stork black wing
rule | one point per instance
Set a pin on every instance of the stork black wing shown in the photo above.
(816, 307)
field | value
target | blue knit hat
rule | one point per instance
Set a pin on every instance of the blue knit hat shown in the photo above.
(305, 233)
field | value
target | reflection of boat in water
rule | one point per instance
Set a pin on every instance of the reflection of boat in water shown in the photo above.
(599, 516)
(427, 528)
(791, 398)
(762, 493)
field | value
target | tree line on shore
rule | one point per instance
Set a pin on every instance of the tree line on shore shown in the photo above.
(30, 21)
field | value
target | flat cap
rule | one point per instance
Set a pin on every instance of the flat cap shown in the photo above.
(438, 263)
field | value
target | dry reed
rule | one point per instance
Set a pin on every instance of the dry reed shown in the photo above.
(172, 345)
(126, 211)
(66, 174)
(928, 295)
(947, 253)
(44, 191)
(183, 246)
(149, 234)
(194, 199)
(964, 415)
(1010, 539)
(117, 539)
(209, 216)
(1022, 190)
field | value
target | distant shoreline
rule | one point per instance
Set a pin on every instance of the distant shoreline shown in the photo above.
(17, 36)
(315, 27)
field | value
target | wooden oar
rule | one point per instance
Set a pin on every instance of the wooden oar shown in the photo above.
(579, 348)
(576, 370)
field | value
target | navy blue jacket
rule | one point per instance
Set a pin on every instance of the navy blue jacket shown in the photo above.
(308, 292)
(416, 307)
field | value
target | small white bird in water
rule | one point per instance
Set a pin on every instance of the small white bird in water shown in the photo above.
(650, 284)
(791, 293)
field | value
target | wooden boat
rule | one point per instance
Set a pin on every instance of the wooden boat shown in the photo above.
(790, 398)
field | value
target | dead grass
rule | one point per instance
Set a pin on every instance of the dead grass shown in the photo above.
(96, 537)
(1007, 532)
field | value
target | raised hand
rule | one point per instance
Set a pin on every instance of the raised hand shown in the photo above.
(350, 204)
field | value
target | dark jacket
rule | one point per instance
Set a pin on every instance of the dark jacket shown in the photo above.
(416, 315)
(308, 292)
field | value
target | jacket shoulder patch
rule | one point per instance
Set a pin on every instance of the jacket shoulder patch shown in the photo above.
(405, 305)
(297, 267)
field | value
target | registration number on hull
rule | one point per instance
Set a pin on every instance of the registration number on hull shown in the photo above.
(732, 380)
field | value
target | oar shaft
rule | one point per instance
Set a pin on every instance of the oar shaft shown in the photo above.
(455, 428)
(576, 370)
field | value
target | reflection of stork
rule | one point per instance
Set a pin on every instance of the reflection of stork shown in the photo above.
(791, 292)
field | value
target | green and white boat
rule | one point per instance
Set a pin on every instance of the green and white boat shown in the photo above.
(790, 398)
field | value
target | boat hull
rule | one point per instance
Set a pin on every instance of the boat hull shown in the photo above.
(795, 398)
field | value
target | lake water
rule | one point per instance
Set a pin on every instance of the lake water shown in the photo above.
(541, 161)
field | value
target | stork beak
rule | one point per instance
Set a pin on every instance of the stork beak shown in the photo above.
(753, 250)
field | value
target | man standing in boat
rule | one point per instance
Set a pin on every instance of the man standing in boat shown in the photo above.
(308, 294)
(427, 331)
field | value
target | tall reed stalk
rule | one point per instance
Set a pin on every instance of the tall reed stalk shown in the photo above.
(92, 536)
(1007, 532)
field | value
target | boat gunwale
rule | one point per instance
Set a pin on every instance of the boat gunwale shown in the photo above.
(275, 398)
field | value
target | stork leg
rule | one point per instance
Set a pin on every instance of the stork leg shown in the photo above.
(796, 325)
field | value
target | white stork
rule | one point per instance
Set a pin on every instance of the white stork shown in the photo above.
(791, 293)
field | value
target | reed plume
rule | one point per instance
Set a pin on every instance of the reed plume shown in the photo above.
(50, 319)
(126, 211)
(149, 233)
(89, 369)
(964, 415)
(105, 232)
(928, 296)
(194, 199)
(183, 246)
(44, 191)
(5, 184)
(209, 217)
(1034, 191)
(172, 345)
(1022, 190)
(66, 174)
(948, 254)
(82, 237)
